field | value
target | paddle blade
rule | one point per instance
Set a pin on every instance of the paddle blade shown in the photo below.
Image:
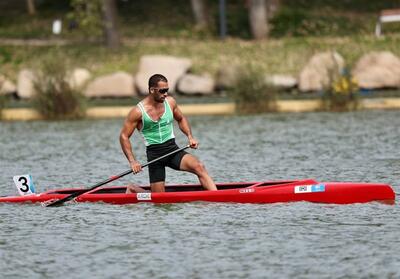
(115, 177)
(63, 200)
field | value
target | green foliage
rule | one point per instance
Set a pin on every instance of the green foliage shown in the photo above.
(342, 5)
(5, 56)
(237, 20)
(88, 16)
(342, 94)
(55, 98)
(2, 104)
(173, 18)
(2, 100)
(328, 17)
(303, 22)
(251, 93)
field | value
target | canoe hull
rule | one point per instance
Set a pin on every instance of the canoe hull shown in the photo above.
(253, 192)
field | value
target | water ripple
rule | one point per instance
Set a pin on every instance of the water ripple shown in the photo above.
(204, 240)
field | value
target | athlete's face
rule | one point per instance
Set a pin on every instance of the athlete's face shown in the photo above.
(160, 92)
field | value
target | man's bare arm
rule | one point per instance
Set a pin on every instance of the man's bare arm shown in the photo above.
(183, 122)
(130, 124)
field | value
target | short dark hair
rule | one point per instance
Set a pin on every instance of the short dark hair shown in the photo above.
(154, 79)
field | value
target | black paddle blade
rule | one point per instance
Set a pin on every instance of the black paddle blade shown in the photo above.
(63, 200)
(78, 193)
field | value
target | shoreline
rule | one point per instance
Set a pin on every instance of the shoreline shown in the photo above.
(295, 106)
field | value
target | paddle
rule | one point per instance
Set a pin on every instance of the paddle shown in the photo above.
(76, 194)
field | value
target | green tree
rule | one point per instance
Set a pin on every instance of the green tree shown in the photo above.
(96, 18)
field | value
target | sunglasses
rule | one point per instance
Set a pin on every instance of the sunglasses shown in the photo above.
(163, 90)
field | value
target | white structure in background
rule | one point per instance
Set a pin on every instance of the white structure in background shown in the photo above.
(392, 15)
(57, 26)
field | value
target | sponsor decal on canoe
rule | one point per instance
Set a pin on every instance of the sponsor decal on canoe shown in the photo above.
(242, 191)
(309, 188)
(143, 196)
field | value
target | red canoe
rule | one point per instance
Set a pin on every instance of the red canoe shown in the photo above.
(248, 192)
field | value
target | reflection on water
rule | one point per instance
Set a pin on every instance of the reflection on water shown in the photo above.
(200, 240)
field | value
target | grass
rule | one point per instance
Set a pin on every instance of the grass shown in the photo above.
(284, 56)
(300, 29)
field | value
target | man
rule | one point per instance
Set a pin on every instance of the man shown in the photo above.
(153, 117)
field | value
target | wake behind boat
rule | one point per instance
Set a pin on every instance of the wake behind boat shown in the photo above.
(241, 192)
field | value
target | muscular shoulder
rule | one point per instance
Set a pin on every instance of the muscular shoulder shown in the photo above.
(171, 101)
(135, 114)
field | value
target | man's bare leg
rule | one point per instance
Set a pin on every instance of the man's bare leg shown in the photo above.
(158, 186)
(192, 164)
(132, 188)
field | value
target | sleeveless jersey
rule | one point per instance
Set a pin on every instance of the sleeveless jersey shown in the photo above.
(156, 132)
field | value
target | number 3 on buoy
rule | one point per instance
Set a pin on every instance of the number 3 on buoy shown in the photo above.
(24, 184)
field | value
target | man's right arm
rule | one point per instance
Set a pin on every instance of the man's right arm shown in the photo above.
(130, 124)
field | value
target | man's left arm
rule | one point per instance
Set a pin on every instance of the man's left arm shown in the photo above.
(183, 123)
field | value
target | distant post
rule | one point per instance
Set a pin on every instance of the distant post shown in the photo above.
(222, 19)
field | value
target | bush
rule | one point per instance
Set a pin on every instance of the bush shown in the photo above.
(342, 95)
(303, 22)
(55, 98)
(251, 93)
(2, 100)
(2, 104)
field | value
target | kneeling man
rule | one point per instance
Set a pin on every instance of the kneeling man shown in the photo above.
(153, 117)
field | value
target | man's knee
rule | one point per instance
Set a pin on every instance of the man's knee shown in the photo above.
(199, 168)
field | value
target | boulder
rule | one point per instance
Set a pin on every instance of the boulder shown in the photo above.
(378, 70)
(25, 88)
(6, 86)
(171, 67)
(78, 78)
(282, 81)
(320, 70)
(119, 84)
(193, 84)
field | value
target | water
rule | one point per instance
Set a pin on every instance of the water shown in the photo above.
(205, 240)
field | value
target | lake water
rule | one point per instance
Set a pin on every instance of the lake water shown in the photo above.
(205, 240)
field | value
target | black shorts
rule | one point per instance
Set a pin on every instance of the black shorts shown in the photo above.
(157, 169)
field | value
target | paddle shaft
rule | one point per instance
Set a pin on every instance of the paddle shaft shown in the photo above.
(76, 194)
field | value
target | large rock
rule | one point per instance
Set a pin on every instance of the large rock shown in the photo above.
(171, 67)
(78, 78)
(6, 86)
(119, 84)
(282, 81)
(378, 70)
(25, 88)
(319, 71)
(194, 84)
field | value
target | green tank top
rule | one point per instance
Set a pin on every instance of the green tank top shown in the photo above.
(156, 132)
